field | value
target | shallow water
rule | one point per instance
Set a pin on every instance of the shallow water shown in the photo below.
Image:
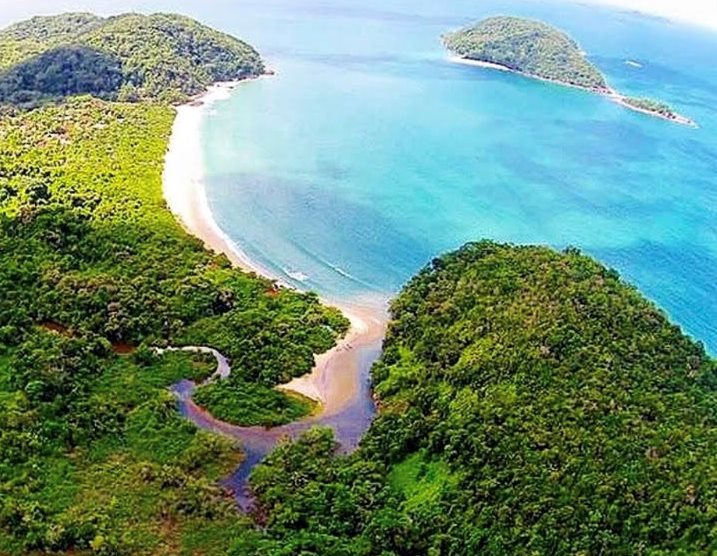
(369, 153)
(349, 424)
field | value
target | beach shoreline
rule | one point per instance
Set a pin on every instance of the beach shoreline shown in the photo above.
(183, 176)
(334, 381)
(609, 93)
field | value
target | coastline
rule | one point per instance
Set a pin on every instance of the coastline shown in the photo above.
(183, 176)
(334, 381)
(609, 93)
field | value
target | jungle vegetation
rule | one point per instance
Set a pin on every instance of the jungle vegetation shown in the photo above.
(95, 271)
(128, 57)
(531, 47)
(650, 105)
(93, 453)
(531, 402)
(243, 402)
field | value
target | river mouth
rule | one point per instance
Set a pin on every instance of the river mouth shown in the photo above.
(341, 376)
(340, 379)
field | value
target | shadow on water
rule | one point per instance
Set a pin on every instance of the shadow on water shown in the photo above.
(349, 424)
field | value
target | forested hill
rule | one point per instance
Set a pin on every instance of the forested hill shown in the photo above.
(531, 47)
(93, 452)
(127, 57)
(531, 403)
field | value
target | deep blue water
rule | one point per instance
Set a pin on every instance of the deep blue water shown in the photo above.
(369, 154)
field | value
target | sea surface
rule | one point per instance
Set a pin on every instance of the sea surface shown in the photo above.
(369, 153)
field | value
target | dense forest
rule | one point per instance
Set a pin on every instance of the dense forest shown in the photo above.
(531, 403)
(527, 46)
(93, 453)
(127, 57)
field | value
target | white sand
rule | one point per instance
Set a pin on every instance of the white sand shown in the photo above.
(477, 63)
(183, 177)
(334, 381)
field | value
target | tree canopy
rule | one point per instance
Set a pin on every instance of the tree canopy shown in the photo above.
(531, 402)
(93, 452)
(127, 57)
(651, 105)
(531, 47)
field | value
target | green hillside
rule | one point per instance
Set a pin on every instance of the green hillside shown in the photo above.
(93, 451)
(531, 403)
(128, 57)
(527, 46)
(94, 270)
(33, 36)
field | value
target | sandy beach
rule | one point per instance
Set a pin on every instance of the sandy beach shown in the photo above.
(183, 176)
(334, 381)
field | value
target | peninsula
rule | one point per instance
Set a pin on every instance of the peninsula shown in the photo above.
(540, 51)
(529, 400)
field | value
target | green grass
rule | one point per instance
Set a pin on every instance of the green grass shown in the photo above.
(420, 480)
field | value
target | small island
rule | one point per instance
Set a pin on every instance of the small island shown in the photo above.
(540, 51)
(653, 107)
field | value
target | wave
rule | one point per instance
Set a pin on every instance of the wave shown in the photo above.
(295, 275)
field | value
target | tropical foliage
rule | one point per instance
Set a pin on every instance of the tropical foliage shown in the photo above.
(531, 403)
(527, 46)
(93, 453)
(128, 57)
(650, 105)
(246, 403)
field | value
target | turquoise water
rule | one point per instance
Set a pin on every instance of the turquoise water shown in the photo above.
(369, 154)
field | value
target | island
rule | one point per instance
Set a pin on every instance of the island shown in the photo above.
(529, 399)
(540, 51)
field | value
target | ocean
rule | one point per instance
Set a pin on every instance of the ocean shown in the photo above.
(369, 153)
